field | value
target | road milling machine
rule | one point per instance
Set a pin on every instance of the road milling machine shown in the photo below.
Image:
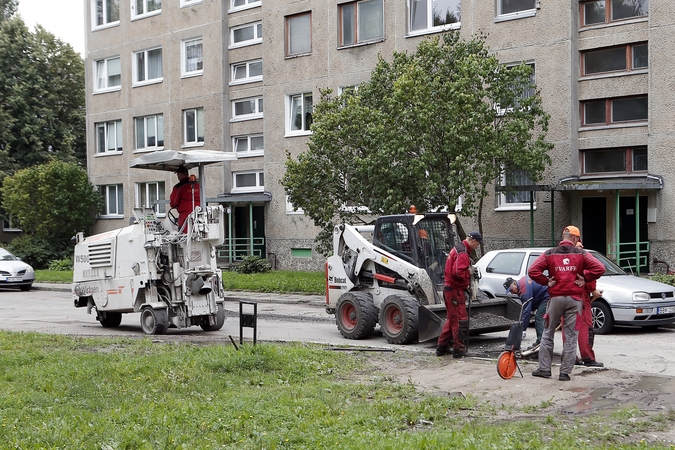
(167, 274)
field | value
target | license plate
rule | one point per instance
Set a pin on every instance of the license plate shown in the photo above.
(14, 279)
(666, 310)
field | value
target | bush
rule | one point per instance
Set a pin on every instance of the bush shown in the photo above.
(38, 252)
(668, 279)
(253, 264)
(61, 264)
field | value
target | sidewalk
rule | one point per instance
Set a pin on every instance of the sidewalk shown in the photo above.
(230, 296)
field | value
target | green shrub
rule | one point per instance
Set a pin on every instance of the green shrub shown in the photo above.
(253, 264)
(38, 252)
(61, 264)
(668, 279)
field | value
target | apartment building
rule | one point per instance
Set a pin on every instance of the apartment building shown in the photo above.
(242, 76)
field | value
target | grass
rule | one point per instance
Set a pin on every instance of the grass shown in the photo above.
(67, 392)
(275, 281)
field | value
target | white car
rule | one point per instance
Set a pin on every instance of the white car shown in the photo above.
(14, 272)
(626, 299)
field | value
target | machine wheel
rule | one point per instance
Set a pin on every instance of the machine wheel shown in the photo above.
(109, 319)
(507, 365)
(603, 320)
(355, 315)
(154, 321)
(220, 320)
(399, 318)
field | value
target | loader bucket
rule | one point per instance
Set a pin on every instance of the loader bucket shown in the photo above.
(431, 320)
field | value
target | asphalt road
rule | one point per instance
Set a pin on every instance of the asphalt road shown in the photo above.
(628, 349)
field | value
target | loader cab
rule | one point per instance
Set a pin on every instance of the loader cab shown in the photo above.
(424, 240)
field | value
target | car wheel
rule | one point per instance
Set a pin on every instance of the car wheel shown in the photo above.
(603, 320)
(355, 315)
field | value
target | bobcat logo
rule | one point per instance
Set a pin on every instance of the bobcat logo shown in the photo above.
(566, 261)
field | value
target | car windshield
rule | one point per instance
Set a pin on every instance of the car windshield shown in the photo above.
(610, 266)
(6, 256)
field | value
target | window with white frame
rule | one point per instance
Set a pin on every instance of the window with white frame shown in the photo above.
(247, 108)
(149, 194)
(250, 181)
(192, 57)
(105, 12)
(246, 72)
(248, 145)
(361, 21)
(113, 200)
(193, 126)
(109, 137)
(9, 224)
(144, 8)
(291, 209)
(523, 90)
(299, 114)
(184, 3)
(515, 200)
(248, 34)
(426, 16)
(108, 74)
(515, 9)
(149, 132)
(236, 5)
(147, 66)
(299, 34)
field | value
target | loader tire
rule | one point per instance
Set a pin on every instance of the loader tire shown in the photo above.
(220, 320)
(399, 319)
(109, 319)
(355, 315)
(154, 321)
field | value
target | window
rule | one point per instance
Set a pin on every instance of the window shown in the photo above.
(246, 72)
(361, 22)
(246, 34)
(617, 110)
(236, 5)
(108, 74)
(299, 116)
(193, 126)
(515, 7)
(605, 11)
(113, 200)
(515, 200)
(616, 160)
(251, 145)
(9, 224)
(247, 108)
(193, 57)
(506, 263)
(433, 15)
(523, 89)
(106, 12)
(299, 34)
(147, 194)
(291, 209)
(148, 66)
(248, 181)
(140, 8)
(149, 132)
(184, 3)
(615, 59)
(109, 137)
(301, 253)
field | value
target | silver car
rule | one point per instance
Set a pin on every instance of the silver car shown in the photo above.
(14, 272)
(626, 299)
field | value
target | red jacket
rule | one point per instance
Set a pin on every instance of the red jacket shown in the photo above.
(458, 268)
(182, 199)
(563, 263)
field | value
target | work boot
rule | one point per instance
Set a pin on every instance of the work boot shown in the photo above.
(442, 351)
(459, 354)
(564, 377)
(579, 362)
(593, 363)
(542, 373)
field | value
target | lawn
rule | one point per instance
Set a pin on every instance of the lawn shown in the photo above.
(86, 393)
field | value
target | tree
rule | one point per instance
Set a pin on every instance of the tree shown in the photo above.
(51, 202)
(428, 128)
(8, 8)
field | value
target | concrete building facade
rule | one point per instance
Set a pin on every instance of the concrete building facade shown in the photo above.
(242, 76)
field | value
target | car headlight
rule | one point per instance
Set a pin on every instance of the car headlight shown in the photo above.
(29, 269)
(640, 297)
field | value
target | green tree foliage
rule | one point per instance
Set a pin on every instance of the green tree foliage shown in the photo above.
(8, 8)
(51, 202)
(427, 128)
(42, 98)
